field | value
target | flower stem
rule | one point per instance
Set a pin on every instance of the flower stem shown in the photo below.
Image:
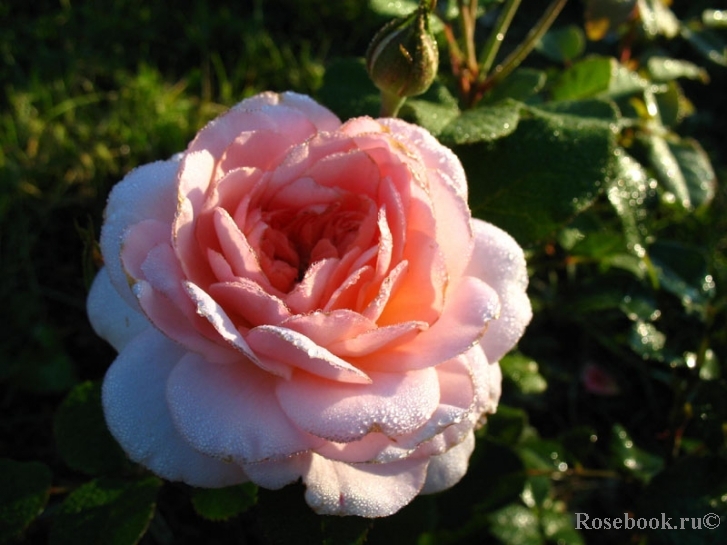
(390, 104)
(513, 60)
(494, 40)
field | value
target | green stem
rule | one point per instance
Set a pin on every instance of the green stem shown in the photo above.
(390, 104)
(494, 40)
(513, 60)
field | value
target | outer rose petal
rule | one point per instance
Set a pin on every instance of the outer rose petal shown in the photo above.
(447, 469)
(365, 490)
(111, 316)
(498, 260)
(230, 411)
(137, 414)
(147, 192)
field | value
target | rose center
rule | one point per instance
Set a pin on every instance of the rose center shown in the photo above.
(295, 239)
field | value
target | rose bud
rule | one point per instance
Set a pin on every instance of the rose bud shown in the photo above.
(402, 59)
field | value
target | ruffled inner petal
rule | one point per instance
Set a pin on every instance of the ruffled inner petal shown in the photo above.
(279, 345)
(470, 307)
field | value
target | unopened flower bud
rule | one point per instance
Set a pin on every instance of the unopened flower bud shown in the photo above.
(402, 59)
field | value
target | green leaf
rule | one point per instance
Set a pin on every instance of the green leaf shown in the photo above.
(224, 503)
(689, 493)
(523, 84)
(516, 525)
(542, 458)
(683, 168)
(523, 371)
(708, 43)
(483, 124)
(106, 511)
(714, 18)
(507, 424)
(557, 525)
(563, 44)
(535, 180)
(348, 91)
(663, 69)
(433, 110)
(628, 194)
(24, 491)
(401, 8)
(82, 436)
(657, 19)
(709, 407)
(682, 270)
(586, 78)
(627, 456)
(647, 341)
(696, 169)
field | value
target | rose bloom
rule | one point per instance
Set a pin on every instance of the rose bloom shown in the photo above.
(296, 298)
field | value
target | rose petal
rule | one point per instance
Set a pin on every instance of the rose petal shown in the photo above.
(249, 301)
(447, 469)
(498, 260)
(365, 490)
(110, 315)
(138, 417)
(469, 309)
(393, 404)
(212, 407)
(275, 474)
(278, 345)
(147, 192)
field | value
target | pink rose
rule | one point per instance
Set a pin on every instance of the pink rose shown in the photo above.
(296, 298)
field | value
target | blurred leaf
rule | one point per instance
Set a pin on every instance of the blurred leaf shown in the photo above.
(579, 443)
(626, 455)
(482, 124)
(709, 407)
(516, 525)
(543, 458)
(682, 270)
(714, 18)
(625, 82)
(672, 105)
(106, 511)
(710, 368)
(523, 371)
(657, 19)
(433, 110)
(507, 424)
(603, 16)
(24, 491)
(82, 437)
(696, 168)
(224, 503)
(707, 43)
(586, 78)
(647, 341)
(540, 176)
(662, 69)
(348, 91)
(693, 490)
(522, 84)
(563, 44)
(401, 8)
(557, 525)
